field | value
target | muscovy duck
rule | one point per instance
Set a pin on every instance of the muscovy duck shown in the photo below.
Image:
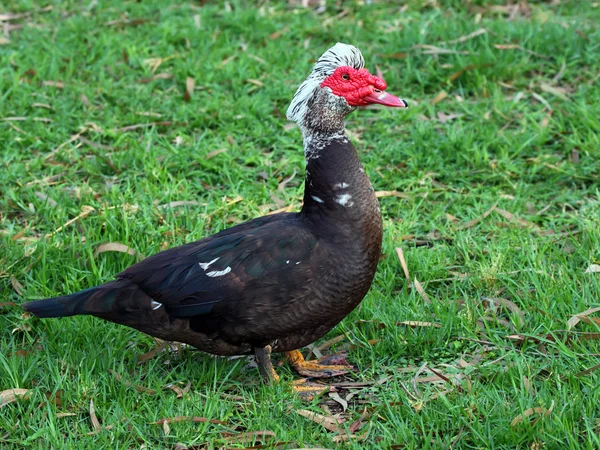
(275, 283)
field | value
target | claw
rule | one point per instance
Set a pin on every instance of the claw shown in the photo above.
(314, 369)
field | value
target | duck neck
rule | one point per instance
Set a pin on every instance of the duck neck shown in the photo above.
(337, 190)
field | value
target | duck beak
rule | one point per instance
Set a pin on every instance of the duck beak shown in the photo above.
(383, 98)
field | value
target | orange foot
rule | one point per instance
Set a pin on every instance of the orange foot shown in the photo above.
(314, 369)
(308, 390)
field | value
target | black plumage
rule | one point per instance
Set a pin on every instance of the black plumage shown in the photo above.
(277, 282)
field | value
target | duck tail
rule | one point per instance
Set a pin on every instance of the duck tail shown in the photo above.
(67, 305)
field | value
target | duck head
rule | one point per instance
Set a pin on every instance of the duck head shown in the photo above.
(337, 85)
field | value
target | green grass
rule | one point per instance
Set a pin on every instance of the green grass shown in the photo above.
(506, 148)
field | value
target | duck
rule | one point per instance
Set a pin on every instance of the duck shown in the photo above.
(276, 283)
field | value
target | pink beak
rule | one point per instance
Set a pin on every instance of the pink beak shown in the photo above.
(383, 98)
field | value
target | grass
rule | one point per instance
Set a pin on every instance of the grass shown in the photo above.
(519, 129)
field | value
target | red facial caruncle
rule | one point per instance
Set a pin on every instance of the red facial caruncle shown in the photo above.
(360, 88)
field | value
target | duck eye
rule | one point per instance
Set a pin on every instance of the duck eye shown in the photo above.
(346, 76)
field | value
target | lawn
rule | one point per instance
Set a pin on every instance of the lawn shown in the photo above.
(149, 124)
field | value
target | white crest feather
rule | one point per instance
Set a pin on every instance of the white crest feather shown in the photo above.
(338, 55)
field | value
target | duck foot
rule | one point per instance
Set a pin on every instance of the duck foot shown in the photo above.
(316, 369)
(265, 366)
(308, 390)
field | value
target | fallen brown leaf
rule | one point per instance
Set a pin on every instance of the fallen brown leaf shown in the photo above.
(510, 216)
(393, 193)
(285, 181)
(531, 411)
(329, 423)
(189, 89)
(56, 84)
(418, 324)
(188, 419)
(421, 291)
(16, 285)
(554, 90)
(152, 353)
(117, 247)
(93, 418)
(348, 437)
(7, 304)
(472, 223)
(215, 153)
(180, 392)
(11, 395)
(508, 304)
(594, 268)
(158, 76)
(583, 316)
(142, 389)
(465, 38)
(439, 97)
(85, 211)
(255, 82)
(589, 370)
(403, 263)
(250, 436)
(279, 33)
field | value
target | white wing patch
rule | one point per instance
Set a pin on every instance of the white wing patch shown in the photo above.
(155, 305)
(205, 266)
(219, 273)
(344, 200)
(316, 199)
(214, 273)
(341, 185)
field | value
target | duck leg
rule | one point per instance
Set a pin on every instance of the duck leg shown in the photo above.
(265, 366)
(314, 369)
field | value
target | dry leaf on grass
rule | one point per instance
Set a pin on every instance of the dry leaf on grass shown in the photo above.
(556, 91)
(418, 324)
(510, 216)
(438, 98)
(189, 89)
(325, 345)
(158, 76)
(285, 181)
(329, 423)
(85, 211)
(393, 193)
(594, 268)
(180, 392)
(16, 285)
(421, 291)
(251, 436)
(142, 389)
(508, 304)
(12, 395)
(117, 247)
(403, 263)
(255, 82)
(472, 223)
(56, 84)
(214, 153)
(61, 415)
(152, 353)
(7, 304)
(195, 419)
(531, 411)
(348, 437)
(465, 38)
(583, 316)
(589, 370)
(93, 418)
